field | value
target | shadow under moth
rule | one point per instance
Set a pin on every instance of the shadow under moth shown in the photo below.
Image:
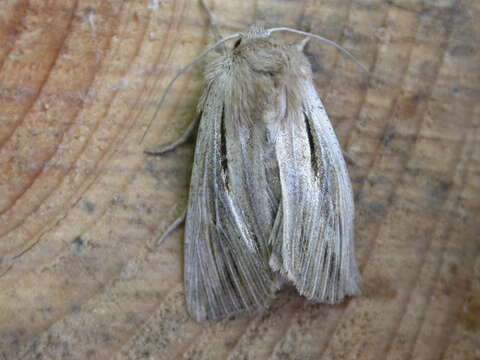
(270, 198)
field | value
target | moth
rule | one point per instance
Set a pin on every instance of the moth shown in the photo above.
(270, 197)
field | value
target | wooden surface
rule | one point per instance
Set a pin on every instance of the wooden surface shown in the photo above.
(81, 205)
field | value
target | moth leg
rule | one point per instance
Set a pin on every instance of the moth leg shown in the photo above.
(182, 140)
(172, 227)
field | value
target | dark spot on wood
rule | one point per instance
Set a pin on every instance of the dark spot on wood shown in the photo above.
(428, 69)
(379, 288)
(283, 356)
(406, 107)
(15, 341)
(79, 242)
(453, 268)
(439, 189)
(419, 96)
(377, 207)
(89, 206)
(389, 136)
(106, 337)
(470, 317)
(371, 212)
(414, 171)
(462, 50)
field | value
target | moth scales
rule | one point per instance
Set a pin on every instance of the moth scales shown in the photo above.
(270, 198)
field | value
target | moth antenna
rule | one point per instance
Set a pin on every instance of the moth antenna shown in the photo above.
(325, 40)
(214, 24)
(180, 73)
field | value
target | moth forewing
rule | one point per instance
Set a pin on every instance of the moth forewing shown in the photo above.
(224, 272)
(337, 215)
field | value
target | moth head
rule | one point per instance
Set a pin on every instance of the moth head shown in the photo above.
(268, 56)
(266, 73)
(255, 32)
(260, 52)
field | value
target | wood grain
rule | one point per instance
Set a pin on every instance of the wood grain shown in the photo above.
(81, 205)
